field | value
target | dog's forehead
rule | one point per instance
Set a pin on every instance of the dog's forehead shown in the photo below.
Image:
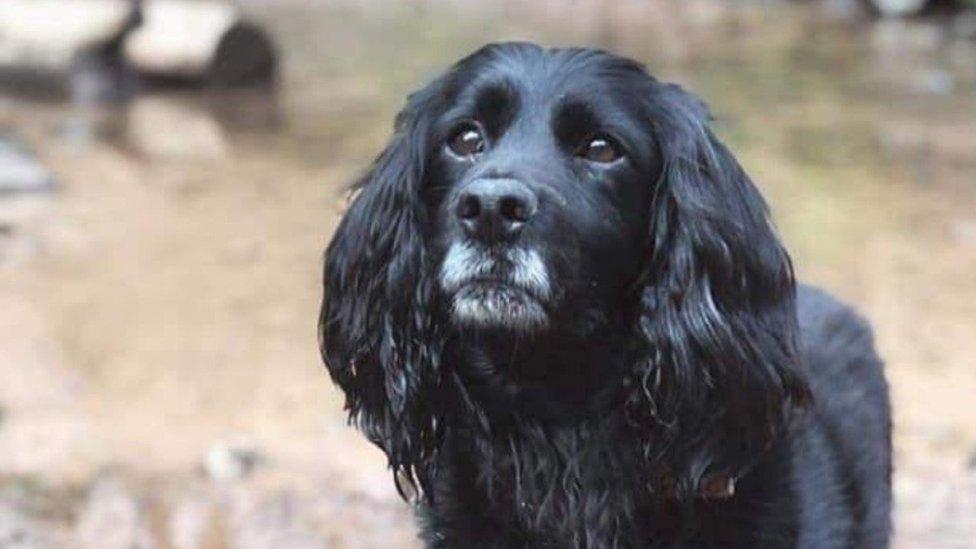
(549, 75)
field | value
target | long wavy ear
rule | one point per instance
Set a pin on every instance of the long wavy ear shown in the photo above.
(717, 371)
(376, 329)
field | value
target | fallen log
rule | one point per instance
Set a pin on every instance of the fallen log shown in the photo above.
(209, 43)
(48, 34)
(47, 45)
(93, 49)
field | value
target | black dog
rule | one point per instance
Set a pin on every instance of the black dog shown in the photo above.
(558, 306)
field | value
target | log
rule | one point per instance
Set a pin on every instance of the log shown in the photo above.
(47, 47)
(91, 50)
(210, 43)
(48, 34)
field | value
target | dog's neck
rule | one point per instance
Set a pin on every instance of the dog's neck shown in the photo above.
(562, 386)
(552, 377)
(546, 434)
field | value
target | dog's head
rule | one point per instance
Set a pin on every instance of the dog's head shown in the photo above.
(543, 177)
(530, 193)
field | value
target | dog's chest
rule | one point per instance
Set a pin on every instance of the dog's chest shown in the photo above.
(546, 490)
(575, 491)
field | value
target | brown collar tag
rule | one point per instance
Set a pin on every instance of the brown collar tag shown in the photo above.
(711, 488)
(714, 487)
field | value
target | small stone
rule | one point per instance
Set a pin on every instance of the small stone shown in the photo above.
(18, 531)
(20, 172)
(226, 462)
(898, 8)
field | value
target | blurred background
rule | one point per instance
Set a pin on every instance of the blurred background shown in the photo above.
(171, 171)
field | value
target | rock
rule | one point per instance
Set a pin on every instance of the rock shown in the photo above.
(20, 172)
(214, 45)
(43, 41)
(17, 531)
(226, 462)
(24, 185)
(897, 8)
(100, 77)
(50, 33)
(113, 519)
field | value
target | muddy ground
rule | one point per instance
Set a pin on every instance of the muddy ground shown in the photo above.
(161, 385)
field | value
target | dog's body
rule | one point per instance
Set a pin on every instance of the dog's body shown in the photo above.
(824, 484)
(559, 308)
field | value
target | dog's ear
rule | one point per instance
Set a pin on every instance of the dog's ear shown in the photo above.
(717, 370)
(376, 330)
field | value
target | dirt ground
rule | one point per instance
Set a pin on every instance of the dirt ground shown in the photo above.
(161, 385)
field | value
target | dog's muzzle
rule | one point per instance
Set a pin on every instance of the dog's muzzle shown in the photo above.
(506, 289)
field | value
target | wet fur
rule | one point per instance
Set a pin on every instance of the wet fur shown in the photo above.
(714, 362)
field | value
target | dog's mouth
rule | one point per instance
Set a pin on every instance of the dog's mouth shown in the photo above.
(494, 304)
(501, 290)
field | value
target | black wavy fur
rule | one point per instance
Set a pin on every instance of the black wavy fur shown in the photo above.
(677, 346)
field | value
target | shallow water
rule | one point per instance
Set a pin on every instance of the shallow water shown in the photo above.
(166, 297)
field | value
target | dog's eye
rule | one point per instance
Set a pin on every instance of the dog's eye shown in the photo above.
(467, 140)
(600, 148)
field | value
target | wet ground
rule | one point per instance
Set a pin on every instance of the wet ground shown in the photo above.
(161, 384)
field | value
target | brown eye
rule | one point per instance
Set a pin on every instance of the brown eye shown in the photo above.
(600, 148)
(467, 140)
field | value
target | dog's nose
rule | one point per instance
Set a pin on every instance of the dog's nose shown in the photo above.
(496, 209)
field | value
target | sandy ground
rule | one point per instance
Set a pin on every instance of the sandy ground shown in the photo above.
(161, 385)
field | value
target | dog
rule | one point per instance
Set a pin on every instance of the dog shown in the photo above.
(558, 306)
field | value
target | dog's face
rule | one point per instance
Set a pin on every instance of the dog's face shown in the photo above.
(561, 192)
(541, 179)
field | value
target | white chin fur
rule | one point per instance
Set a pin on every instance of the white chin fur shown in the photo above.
(514, 303)
(465, 262)
(498, 308)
